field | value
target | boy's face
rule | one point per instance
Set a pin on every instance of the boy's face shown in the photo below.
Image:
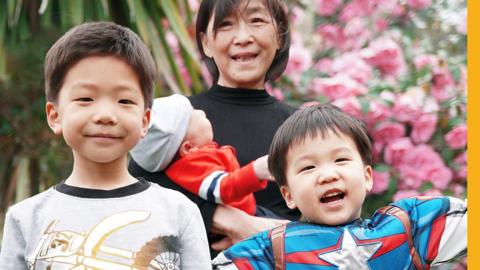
(199, 130)
(100, 109)
(244, 46)
(326, 179)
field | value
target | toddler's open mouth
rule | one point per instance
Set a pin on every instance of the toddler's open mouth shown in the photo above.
(332, 196)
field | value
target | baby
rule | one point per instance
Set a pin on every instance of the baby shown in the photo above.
(180, 141)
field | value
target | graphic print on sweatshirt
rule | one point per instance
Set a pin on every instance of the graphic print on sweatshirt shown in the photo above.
(86, 250)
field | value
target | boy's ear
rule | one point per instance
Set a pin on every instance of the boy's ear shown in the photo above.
(145, 122)
(205, 45)
(287, 196)
(53, 118)
(368, 177)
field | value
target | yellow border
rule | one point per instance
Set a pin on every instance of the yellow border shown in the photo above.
(473, 119)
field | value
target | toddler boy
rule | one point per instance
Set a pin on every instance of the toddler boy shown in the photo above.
(98, 82)
(321, 158)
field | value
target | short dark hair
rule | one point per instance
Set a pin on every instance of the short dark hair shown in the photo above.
(99, 38)
(311, 122)
(224, 8)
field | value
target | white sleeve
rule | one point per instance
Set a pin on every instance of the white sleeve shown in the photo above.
(195, 254)
(13, 246)
(454, 238)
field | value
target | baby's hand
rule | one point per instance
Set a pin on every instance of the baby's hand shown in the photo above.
(260, 166)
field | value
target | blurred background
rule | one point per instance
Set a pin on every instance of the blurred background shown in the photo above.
(399, 65)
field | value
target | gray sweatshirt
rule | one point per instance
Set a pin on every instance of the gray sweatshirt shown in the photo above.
(140, 226)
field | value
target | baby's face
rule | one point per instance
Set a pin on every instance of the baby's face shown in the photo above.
(199, 130)
(327, 179)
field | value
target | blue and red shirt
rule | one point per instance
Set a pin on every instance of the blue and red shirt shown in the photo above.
(433, 230)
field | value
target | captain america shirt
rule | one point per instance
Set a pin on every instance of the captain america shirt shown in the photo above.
(413, 233)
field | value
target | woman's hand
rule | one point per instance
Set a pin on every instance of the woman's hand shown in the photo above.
(237, 225)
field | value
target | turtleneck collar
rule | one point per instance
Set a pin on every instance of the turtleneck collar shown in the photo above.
(240, 96)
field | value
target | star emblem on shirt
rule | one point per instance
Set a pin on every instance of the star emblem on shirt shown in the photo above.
(351, 255)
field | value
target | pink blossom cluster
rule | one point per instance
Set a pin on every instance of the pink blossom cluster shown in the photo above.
(373, 59)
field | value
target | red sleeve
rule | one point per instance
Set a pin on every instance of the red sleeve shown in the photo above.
(215, 176)
(240, 183)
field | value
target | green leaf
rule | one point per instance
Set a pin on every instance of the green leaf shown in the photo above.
(381, 167)
(426, 186)
(193, 71)
(46, 15)
(3, 21)
(76, 11)
(148, 31)
(178, 26)
(14, 7)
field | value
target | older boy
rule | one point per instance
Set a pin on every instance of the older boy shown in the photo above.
(98, 82)
(321, 159)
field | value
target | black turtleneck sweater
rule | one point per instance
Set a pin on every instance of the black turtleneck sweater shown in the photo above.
(246, 119)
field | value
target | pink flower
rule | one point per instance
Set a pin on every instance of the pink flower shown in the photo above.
(387, 132)
(172, 41)
(300, 60)
(358, 8)
(356, 33)
(422, 157)
(350, 11)
(443, 83)
(395, 150)
(297, 15)
(185, 75)
(458, 190)
(377, 112)
(408, 105)
(194, 5)
(385, 54)
(440, 176)
(423, 128)
(421, 164)
(325, 65)
(419, 4)
(339, 86)
(457, 137)
(460, 165)
(350, 105)
(353, 66)
(327, 7)
(275, 92)
(332, 34)
(381, 24)
(381, 180)
(430, 105)
(461, 173)
(377, 150)
(401, 194)
(410, 177)
(423, 60)
(389, 8)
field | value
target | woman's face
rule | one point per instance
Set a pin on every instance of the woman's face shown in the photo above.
(244, 46)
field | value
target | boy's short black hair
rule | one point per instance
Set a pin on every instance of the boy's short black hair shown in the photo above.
(311, 122)
(99, 38)
(224, 8)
